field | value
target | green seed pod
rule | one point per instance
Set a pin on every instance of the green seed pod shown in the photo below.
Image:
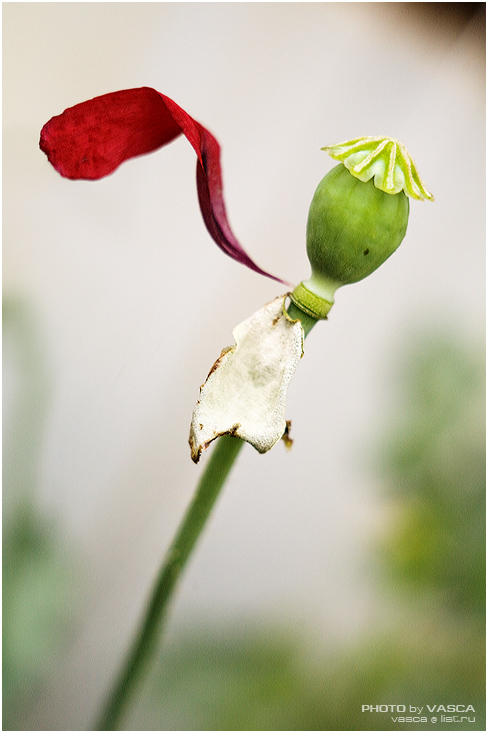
(353, 227)
(358, 217)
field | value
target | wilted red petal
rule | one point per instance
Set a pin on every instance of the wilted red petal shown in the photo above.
(91, 139)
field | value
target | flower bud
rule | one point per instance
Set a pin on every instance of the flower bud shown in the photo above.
(358, 217)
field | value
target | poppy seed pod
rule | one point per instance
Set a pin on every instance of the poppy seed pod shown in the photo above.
(353, 227)
(358, 217)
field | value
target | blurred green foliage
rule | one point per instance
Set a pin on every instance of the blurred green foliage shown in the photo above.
(37, 587)
(37, 608)
(253, 680)
(435, 465)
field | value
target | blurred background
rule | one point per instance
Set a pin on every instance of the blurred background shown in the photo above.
(348, 571)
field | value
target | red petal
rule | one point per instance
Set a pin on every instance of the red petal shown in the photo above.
(91, 139)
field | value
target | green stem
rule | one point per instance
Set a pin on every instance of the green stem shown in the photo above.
(218, 466)
(145, 643)
(308, 322)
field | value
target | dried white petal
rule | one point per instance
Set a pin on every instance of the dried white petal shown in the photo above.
(245, 391)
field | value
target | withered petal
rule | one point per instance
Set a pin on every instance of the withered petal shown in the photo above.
(245, 392)
(91, 139)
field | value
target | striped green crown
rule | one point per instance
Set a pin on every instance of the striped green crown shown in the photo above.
(385, 160)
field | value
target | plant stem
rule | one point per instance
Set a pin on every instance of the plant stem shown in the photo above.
(308, 322)
(218, 466)
(145, 643)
